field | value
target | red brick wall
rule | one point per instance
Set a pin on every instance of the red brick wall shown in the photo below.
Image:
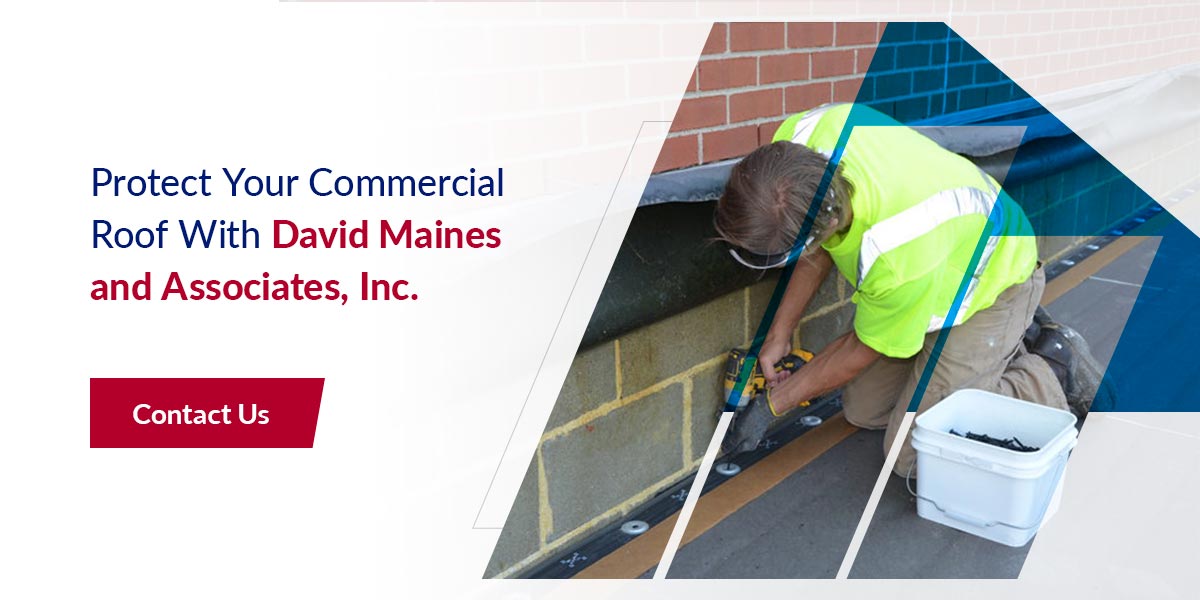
(752, 75)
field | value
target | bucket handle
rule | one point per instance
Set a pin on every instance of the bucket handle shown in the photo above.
(1062, 465)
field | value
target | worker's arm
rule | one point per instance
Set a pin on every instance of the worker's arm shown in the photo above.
(810, 271)
(840, 361)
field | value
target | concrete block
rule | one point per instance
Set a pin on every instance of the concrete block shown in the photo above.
(1060, 219)
(597, 467)
(760, 295)
(817, 332)
(1031, 195)
(708, 398)
(519, 538)
(1050, 246)
(1092, 211)
(592, 381)
(677, 343)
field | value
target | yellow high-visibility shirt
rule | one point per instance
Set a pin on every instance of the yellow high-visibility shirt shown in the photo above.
(918, 214)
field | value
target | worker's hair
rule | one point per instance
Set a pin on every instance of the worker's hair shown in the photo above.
(768, 196)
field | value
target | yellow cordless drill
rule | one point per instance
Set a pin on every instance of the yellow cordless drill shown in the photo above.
(757, 383)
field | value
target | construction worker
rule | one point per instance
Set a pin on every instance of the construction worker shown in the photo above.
(900, 220)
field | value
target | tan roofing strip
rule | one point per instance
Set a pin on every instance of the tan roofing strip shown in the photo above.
(642, 553)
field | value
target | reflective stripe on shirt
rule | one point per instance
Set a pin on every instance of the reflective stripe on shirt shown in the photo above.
(920, 219)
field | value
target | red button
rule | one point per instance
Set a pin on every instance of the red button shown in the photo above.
(205, 413)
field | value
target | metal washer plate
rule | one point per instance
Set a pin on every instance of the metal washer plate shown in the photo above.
(810, 420)
(634, 527)
(727, 469)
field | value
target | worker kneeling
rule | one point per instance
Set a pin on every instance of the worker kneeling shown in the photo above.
(902, 220)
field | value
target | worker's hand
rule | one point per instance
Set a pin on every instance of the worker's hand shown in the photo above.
(773, 350)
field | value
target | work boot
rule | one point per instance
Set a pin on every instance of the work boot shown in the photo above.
(749, 426)
(1080, 374)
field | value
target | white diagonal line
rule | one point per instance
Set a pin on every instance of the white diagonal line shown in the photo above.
(865, 521)
(689, 504)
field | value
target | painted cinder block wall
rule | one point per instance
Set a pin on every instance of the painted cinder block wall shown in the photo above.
(636, 413)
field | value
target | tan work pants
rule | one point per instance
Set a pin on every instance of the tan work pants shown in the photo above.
(984, 353)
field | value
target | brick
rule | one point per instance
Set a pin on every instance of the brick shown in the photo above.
(758, 104)
(938, 105)
(937, 54)
(997, 94)
(912, 56)
(893, 85)
(708, 398)
(621, 41)
(619, 123)
(766, 131)
(970, 53)
(974, 97)
(530, 136)
(955, 50)
(775, 68)
(987, 73)
(728, 73)
(855, 34)
(694, 83)
(862, 59)
(694, 113)
(591, 381)
(929, 30)
(803, 97)
(832, 63)
(928, 80)
(912, 109)
(680, 342)
(536, 45)
(951, 101)
(883, 59)
(729, 143)
(598, 467)
(578, 87)
(809, 35)
(678, 152)
(959, 76)
(886, 108)
(717, 41)
(658, 78)
(520, 537)
(898, 32)
(847, 90)
(817, 332)
(745, 37)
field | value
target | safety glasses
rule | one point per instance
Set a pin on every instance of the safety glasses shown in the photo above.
(764, 262)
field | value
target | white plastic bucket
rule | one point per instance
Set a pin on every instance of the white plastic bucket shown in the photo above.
(985, 490)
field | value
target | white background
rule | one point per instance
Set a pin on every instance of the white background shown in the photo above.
(420, 397)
